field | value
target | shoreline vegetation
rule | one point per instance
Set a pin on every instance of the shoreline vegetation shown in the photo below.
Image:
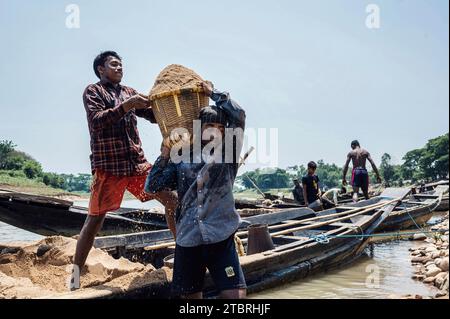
(35, 187)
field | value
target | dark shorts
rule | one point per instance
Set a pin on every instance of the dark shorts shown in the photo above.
(222, 261)
(360, 178)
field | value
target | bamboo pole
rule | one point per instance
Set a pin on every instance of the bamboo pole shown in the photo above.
(287, 231)
(160, 246)
(328, 222)
(356, 209)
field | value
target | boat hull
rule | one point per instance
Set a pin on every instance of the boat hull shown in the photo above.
(51, 220)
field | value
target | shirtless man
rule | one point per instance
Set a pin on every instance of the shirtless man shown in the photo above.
(360, 176)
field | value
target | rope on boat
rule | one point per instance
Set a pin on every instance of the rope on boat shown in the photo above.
(325, 238)
(361, 236)
(322, 239)
(414, 221)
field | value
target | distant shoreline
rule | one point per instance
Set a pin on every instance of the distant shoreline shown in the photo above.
(46, 191)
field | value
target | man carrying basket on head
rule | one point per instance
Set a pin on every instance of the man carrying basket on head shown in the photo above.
(206, 216)
(117, 160)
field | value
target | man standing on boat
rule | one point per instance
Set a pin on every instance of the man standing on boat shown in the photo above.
(206, 216)
(360, 176)
(311, 189)
(117, 159)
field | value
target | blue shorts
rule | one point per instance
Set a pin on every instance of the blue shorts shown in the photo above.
(222, 261)
(360, 178)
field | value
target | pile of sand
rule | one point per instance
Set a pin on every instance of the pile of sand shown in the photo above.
(174, 77)
(43, 268)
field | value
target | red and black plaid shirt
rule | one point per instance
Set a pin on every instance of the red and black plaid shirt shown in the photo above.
(115, 144)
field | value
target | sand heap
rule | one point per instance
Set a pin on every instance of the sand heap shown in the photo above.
(174, 77)
(42, 269)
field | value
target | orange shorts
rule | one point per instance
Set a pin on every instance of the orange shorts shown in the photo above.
(107, 191)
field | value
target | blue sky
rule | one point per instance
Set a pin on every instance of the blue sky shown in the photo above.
(312, 69)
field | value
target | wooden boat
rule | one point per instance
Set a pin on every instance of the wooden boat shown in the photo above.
(286, 202)
(436, 188)
(303, 245)
(49, 216)
(414, 211)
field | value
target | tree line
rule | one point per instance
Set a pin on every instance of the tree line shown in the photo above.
(425, 164)
(421, 165)
(16, 163)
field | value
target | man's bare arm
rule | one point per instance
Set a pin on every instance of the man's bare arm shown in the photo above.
(374, 167)
(344, 175)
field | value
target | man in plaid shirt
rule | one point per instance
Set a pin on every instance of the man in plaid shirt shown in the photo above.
(117, 159)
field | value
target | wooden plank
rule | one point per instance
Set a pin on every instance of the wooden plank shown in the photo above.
(280, 216)
(426, 196)
(345, 207)
(135, 240)
(395, 192)
(415, 203)
(139, 240)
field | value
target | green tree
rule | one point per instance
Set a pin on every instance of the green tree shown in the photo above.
(246, 182)
(6, 148)
(54, 180)
(267, 178)
(411, 166)
(273, 178)
(32, 169)
(14, 162)
(434, 161)
(330, 175)
(430, 162)
(77, 183)
(387, 170)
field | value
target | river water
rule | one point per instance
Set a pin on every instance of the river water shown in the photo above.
(382, 271)
(387, 272)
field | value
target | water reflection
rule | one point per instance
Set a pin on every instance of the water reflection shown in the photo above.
(386, 272)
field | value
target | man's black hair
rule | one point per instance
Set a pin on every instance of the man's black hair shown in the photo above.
(355, 143)
(312, 164)
(101, 59)
(212, 114)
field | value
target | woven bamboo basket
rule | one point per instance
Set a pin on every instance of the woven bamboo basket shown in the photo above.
(178, 108)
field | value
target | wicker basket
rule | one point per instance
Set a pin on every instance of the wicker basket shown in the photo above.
(178, 108)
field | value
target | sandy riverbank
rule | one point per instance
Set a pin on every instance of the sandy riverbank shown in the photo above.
(42, 269)
(46, 191)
